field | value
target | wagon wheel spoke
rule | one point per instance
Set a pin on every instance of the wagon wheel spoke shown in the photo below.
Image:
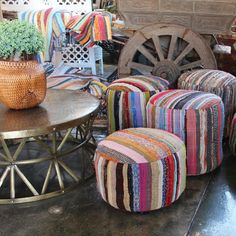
(172, 47)
(156, 41)
(191, 65)
(183, 54)
(141, 67)
(147, 54)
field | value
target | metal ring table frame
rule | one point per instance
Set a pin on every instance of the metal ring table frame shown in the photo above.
(61, 110)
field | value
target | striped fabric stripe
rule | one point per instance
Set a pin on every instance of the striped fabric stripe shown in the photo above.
(140, 169)
(197, 118)
(127, 99)
(213, 81)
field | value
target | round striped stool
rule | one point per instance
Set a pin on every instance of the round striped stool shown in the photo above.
(213, 81)
(140, 169)
(232, 137)
(127, 99)
(197, 118)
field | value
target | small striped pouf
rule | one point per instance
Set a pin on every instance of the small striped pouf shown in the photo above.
(127, 99)
(213, 81)
(197, 118)
(140, 169)
(232, 138)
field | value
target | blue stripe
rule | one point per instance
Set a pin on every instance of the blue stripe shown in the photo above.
(136, 187)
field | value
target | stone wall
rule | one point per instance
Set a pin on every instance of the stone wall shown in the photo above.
(203, 16)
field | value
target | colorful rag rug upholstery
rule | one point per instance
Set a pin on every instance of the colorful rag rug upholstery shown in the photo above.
(197, 118)
(140, 169)
(232, 137)
(213, 81)
(127, 99)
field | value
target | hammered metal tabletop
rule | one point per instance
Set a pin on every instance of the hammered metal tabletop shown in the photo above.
(61, 109)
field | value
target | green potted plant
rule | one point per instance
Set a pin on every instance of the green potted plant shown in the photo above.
(22, 78)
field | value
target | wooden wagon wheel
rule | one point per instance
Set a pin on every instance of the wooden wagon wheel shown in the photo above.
(165, 50)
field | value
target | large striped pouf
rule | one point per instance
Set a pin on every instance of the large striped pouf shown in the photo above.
(127, 99)
(140, 169)
(213, 81)
(232, 138)
(197, 118)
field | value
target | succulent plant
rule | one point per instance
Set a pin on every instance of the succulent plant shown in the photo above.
(19, 40)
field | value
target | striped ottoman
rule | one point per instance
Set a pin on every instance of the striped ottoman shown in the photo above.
(140, 169)
(232, 138)
(213, 81)
(127, 99)
(197, 118)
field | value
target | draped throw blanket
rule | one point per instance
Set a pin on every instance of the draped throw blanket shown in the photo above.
(51, 23)
(93, 27)
(86, 30)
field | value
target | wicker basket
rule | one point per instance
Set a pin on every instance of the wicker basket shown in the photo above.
(22, 84)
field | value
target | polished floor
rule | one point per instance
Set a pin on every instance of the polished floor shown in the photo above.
(207, 208)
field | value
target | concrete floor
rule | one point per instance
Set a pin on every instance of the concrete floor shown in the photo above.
(207, 207)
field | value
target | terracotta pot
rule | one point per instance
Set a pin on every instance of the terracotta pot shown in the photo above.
(22, 84)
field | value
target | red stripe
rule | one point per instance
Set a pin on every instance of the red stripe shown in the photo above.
(218, 131)
(143, 172)
(191, 142)
(126, 109)
(46, 15)
(170, 185)
(158, 96)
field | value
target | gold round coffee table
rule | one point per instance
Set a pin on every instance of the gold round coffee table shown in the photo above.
(51, 126)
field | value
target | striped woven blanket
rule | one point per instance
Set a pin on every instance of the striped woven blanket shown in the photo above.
(51, 23)
(66, 77)
(92, 27)
(86, 30)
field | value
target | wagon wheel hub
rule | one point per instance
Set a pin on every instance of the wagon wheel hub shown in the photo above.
(167, 70)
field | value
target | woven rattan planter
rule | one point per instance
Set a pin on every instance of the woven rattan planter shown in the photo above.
(22, 84)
